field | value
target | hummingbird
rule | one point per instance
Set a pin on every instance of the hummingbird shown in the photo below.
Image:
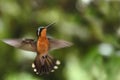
(44, 63)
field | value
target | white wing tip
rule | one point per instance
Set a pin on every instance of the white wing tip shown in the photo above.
(11, 42)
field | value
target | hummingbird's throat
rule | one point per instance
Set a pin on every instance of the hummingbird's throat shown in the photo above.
(43, 33)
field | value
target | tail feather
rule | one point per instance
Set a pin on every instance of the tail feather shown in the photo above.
(45, 64)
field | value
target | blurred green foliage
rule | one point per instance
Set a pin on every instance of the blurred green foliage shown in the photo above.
(92, 25)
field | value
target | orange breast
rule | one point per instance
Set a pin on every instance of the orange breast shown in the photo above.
(42, 45)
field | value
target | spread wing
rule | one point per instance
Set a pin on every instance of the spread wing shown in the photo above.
(30, 44)
(25, 44)
(57, 44)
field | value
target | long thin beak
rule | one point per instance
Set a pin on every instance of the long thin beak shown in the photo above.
(50, 24)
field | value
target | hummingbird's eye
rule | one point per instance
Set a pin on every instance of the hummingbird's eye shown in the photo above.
(39, 30)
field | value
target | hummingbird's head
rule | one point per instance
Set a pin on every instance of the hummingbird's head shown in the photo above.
(40, 29)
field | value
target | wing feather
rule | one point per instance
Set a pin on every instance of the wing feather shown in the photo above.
(57, 44)
(25, 44)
